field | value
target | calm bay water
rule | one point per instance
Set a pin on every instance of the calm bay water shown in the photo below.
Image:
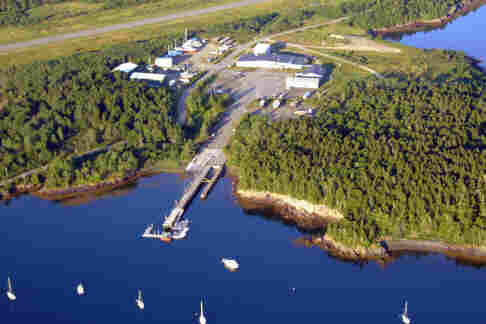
(466, 33)
(48, 247)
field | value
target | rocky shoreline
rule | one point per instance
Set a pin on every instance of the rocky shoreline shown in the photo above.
(311, 217)
(391, 249)
(467, 6)
(303, 214)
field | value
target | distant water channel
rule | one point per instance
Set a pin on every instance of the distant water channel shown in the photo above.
(48, 247)
(467, 33)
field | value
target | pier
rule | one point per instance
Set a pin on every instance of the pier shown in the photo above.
(217, 173)
(189, 193)
(200, 167)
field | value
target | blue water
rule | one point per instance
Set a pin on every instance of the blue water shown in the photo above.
(466, 34)
(48, 247)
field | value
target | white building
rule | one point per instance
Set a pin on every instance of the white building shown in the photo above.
(147, 76)
(164, 62)
(309, 79)
(126, 67)
(274, 61)
(262, 49)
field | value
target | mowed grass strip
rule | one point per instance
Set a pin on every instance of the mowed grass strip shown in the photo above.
(147, 32)
(76, 16)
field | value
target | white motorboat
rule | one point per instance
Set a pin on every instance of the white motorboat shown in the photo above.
(230, 264)
(202, 318)
(139, 300)
(80, 289)
(10, 294)
(180, 234)
(405, 318)
(180, 229)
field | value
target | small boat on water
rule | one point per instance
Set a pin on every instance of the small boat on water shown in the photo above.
(405, 318)
(10, 294)
(202, 318)
(139, 300)
(230, 264)
(80, 289)
(180, 230)
(166, 237)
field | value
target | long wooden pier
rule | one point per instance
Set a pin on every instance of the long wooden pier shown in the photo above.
(218, 169)
(189, 193)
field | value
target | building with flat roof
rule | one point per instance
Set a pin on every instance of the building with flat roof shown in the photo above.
(309, 79)
(273, 61)
(125, 67)
(147, 76)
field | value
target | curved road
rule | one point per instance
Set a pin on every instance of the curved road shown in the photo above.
(216, 68)
(138, 23)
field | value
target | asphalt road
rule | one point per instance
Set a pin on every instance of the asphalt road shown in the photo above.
(138, 23)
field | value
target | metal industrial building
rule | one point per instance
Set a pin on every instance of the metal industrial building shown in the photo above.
(309, 79)
(273, 61)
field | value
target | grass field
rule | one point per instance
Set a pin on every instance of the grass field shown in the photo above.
(69, 17)
(147, 32)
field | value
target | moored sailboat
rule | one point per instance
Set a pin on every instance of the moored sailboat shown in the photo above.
(10, 294)
(202, 318)
(405, 318)
(139, 300)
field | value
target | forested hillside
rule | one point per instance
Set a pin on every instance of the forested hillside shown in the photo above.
(66, 107)
(400, 157)
(389, 13)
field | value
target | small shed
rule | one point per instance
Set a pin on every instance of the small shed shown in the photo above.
(262, 49)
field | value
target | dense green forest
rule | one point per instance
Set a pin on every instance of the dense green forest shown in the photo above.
(203, 109)
(60, 109)
(400, 157)
(388, 13)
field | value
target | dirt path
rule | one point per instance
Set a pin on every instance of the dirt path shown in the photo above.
(138, 23)
(338, 59)
(217, 68)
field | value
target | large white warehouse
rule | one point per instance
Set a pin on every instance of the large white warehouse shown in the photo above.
(309, 79)
(273, 61)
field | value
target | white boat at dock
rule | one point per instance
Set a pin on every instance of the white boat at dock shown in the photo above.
(230, 264)
(180, 229)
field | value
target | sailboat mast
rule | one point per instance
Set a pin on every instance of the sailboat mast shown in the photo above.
(9, 284)
(139, 294)
(202, 311)
(406, 308)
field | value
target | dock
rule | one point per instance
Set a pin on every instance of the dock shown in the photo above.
(218, 169)
(189, 193)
